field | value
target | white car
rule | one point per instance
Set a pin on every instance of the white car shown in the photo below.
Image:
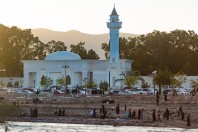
(24, 92)
(145, 91)
(182, 91)
(124, 92)
(133, 91)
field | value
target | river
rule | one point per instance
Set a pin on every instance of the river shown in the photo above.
(61, 127)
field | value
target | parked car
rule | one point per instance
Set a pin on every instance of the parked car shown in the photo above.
(124, 92)
(96, 91)
(30, 89)
(133, 91)
(57, 87)
(58, 92)
(114, 91)
(145, 91)
(24, 92)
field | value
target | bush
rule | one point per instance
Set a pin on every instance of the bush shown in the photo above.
(9, 110)
(9, 84)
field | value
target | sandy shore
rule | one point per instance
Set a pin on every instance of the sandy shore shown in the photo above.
(75, 110)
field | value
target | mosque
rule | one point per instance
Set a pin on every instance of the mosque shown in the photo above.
(80, 71)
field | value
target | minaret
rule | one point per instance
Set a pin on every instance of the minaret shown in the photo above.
(114, 25)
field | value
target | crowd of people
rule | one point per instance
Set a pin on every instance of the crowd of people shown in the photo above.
(122, 111)
(157, 115)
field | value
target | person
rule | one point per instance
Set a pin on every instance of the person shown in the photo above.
(165, 97)
(94, 113)
(63, 112)
(104, 112)
(188, 120)
(35, 113)
(134, 115)
(129, 111)
(125, 107)
(117, 109)
(182, 115)
(91, 113)
(180, 110)
(56, 112)
(139, 114)
(159, 115)
(126, 113)
(167, 114)
(177, 111)
(59, 112)
(142, 114)
(157, 98)
(30, 112)
(153, 115)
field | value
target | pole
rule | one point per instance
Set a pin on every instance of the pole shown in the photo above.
(109, 79)
(34, 83)
(6, 128)
(1, 82)
(65, 82)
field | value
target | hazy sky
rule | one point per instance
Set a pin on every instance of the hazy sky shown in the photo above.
(90, 16)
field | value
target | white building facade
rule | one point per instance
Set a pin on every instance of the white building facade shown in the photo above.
(81, 71)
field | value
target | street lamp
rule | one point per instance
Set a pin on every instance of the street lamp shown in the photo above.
(85, 80)
(110, 80)
(2, 70)
(34, 82)
(154, 73)
(11, 83)
(65, 67)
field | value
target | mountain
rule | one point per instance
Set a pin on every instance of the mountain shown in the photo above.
(92, 41)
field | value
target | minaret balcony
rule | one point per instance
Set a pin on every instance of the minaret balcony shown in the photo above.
(114, 25)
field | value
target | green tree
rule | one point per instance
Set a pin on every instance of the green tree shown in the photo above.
(16, 84)
(15, 45)
(106, 48)
(46, 81)
(162, 79)
(61, 81)
(145, 85)
(39, 50)
(194, 83)
(103, 85)
(91, 54)
(130, 81)
(178, 80)
(82, 52)
(53, 46)
(9, 84)
(79, 49)
(91, 84)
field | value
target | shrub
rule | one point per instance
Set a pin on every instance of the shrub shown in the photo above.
(7, 110)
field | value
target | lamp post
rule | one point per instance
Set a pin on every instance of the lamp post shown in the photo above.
(154, 73)
(2, 70)
(65, 67)
(34, 82)
(85, 80)
(11, 83)
(110, 80)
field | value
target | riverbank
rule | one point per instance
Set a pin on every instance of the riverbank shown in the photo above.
(76, 110)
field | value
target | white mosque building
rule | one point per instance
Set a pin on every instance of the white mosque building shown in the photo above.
(80, 71)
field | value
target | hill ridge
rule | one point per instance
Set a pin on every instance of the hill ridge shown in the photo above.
(92, 41)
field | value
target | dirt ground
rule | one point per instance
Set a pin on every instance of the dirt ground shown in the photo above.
(76, 109)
